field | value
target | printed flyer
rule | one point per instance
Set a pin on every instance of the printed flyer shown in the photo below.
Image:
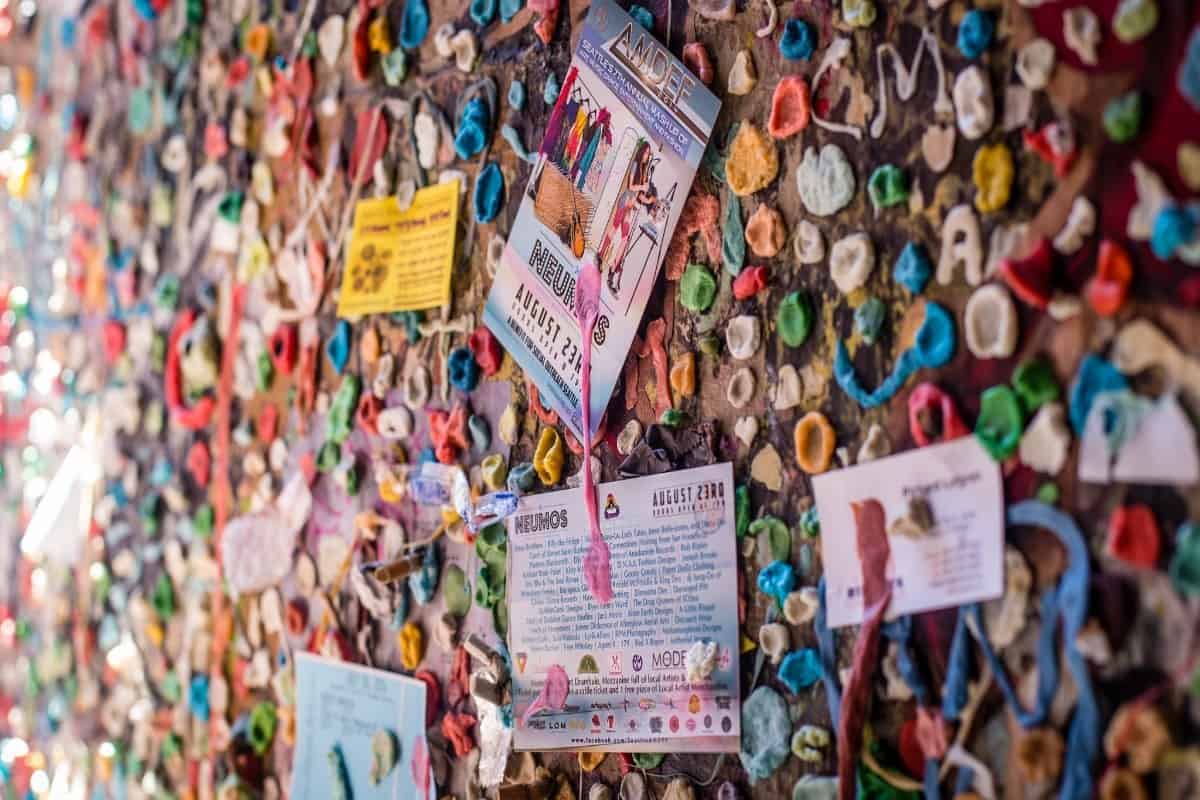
(674, 560)
(611, 176)
(954, 555)
(360, 733)
(401, 259)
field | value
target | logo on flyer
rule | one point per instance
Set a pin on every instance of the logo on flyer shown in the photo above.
(611, 509)
(667, 659)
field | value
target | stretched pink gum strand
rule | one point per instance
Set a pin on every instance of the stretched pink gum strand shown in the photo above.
(597, 569)
(420, 766)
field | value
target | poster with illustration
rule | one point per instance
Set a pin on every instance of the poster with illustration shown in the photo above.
(656, 670)
(610, 178)
(360, 733)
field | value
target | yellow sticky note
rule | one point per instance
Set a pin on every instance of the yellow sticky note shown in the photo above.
(401, 260)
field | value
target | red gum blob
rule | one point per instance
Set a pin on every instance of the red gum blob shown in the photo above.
(283, 349)
(198, 415)
(307, 389)
(199, 464)
(433, 695)
(369, 407)
(487, 351)
(547, 416)
(749, 282)
(1133, 536)
(573, 444)
(297, 616)
(544, 27)
(360, 49)
(215, 144)
(114, 340)
(1109, 287)
(448, 431)
(695, 57)
(1031, 278)
(790, 107)
(268, 423)
(459, 679)
(910, 748)
(656, 333)
(1042, 143)
(239, 70)
(929, 398)
(456, 727)
(699, 215)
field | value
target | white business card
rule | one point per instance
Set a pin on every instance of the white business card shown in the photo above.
(957, 559)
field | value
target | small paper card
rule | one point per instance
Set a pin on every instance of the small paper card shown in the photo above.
(959, 560)
(401, 260)
(345, 715)
(674, 570)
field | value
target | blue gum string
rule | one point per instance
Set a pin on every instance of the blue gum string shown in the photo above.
(933, 347)
(828, 649)
(900, 631)
(1064, 605)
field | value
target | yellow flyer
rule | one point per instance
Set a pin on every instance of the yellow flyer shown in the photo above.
(401, 260)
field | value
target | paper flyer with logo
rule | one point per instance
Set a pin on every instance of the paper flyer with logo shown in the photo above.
(401, 259)
(958, 559)
(360, 733)
(674, 566)
(611, 176)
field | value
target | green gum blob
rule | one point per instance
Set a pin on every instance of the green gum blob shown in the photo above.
(794, 320)
(887, 186)
(1000, 422)
(697, 288)
(779, 537)
(1035, 384)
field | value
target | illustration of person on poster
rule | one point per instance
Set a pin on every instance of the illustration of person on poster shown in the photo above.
(639, 193)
